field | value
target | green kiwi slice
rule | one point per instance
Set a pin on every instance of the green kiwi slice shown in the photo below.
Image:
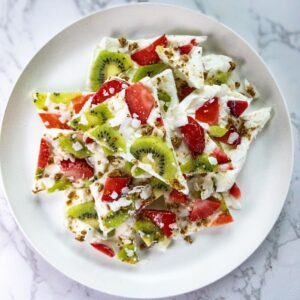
(60, 185)
(96, 116)
(155, 152)
(219, 78)
(69, 144)
(217, 131)
(110, 138)
(115, 218)
(108, 64)
(64, 98)
(85, 212)
(127, 253)
(164, 97)
(149, 70)
(200, 164)
(39, 100)
(149, 232)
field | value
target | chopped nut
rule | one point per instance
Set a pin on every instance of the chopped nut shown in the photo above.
(133, 46)
(232, 66)
(176, 141)
(188, 239)
(123, 42)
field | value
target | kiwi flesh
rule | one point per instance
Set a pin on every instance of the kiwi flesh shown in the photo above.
(60, 185)
(127, 253)
(110, 138)
(165, 98)
(67, 144)
(85, 212)
(149, 70)
(108, 64)
(64, 98)
(115, 218)
(200, 164)
(39, 100)
(149, 232)
(219, 78)
(154, 151)
(96, 116)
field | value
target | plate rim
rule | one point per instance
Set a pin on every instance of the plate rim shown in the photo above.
(187, 289)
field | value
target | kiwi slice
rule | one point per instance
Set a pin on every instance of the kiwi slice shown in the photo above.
(219, 78)
(85, 212)
(200, 164)
(60, 185)
(157, 184)
(96, 116)
(69, 144)
(155, 152)
(64, 98)
(127, 253)
(149, 232)
(149, 70)
(217, 131)
(111, 138)
(108, 64)
(39, 100)
(164, 97)
(137, 172)
(115, 218)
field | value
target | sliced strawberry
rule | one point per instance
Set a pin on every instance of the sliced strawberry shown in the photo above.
(184, 91)
(160, 121)
(44, 154)
(108, 89)
(209, 112)
(88, 140)
(231, 137)
(203, 208)
(235, 191)
(186, 49)
(75, 170)
(52, 121)
(237, 107)
(78, 102)
(194, 136)
(139, 101)
(221, 156)
(113, 188)
(104, 249)
(148, 55)
(178, 197)
(222, 219)
(161, 218)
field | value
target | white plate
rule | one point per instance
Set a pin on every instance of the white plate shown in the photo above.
(62, 64)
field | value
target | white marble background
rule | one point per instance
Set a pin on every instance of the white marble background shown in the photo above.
(273, 28)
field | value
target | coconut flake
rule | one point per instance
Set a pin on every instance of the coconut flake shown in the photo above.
(232, 137)
(114, 195)
(77, 146)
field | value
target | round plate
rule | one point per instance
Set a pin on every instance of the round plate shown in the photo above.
(62, 64)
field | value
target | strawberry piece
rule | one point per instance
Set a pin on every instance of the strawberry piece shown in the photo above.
(109, 89)
(75, 170)
(235, 191)
(113, 188)
(104, 249)
(44, 154)
(220, 156)
(160, 121)
(79, 102)
(222, 219)
(139, 101)
(186, 49)
(184, 91)
(237, 107)
(178, 197)
(52, 121)
(209, 112)
(194, 136)
(161, 218)
(231, 137)
(202, 209)
(88, 140)
(148, 55)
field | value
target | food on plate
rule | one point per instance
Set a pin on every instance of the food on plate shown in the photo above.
(153, 151)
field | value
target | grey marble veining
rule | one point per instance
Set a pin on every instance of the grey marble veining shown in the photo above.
(273, 29)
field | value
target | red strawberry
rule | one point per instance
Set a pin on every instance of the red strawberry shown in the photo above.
(75, 170)
(79, 102)
(53, 121)
(194, 136)
(237, 107)
(108, 89)
(184, 91)
(231, 137)
(114, 185)
(178, 197)
(186, 49)
(221, 156)
(222, 219)
(209, 112)
(104, 249)
(140, 101)
(235, 191)
(148, 55)
(202, 209)
(44, 154)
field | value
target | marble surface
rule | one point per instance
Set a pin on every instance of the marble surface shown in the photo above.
(273, 29)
